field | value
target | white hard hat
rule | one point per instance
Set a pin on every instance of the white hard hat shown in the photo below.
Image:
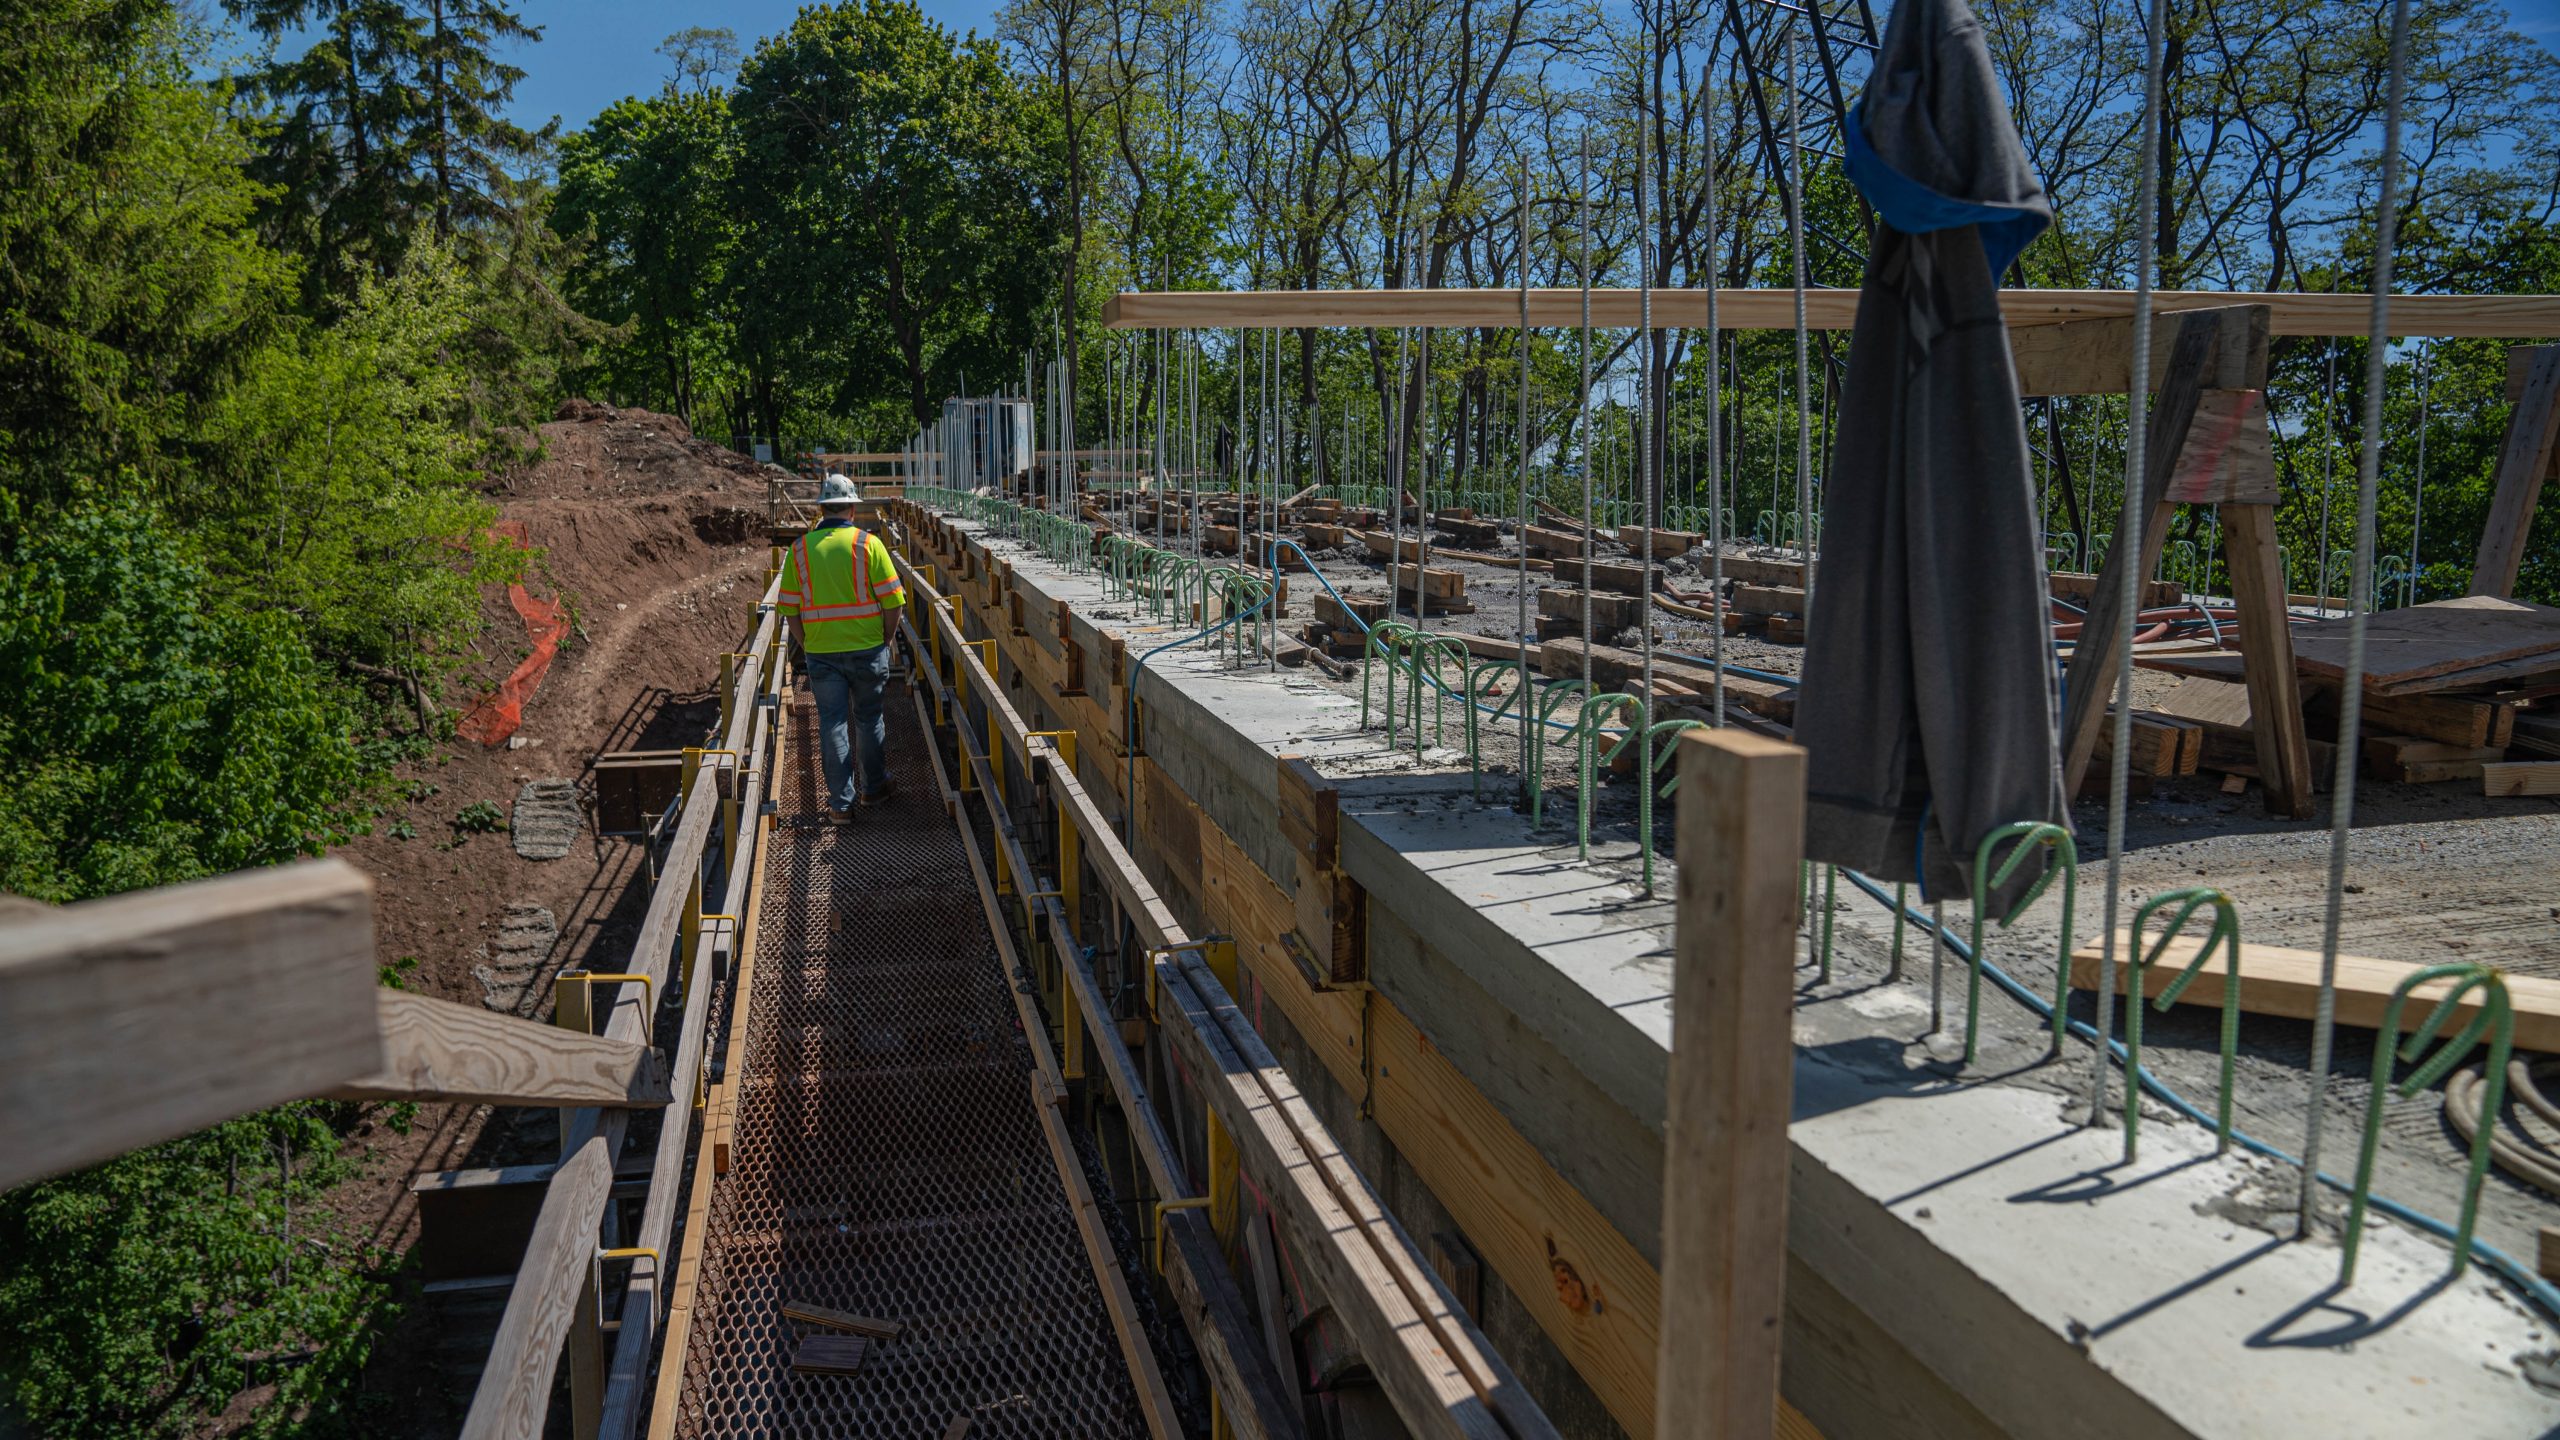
(837, 490)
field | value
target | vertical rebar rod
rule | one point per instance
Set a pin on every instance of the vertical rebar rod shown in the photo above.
(2418, 478)
(1582, 210)
(1715, 426)
(1804, 363)
(1646, 463)
(2342, 809)
(2129, 528)
(1522, 634)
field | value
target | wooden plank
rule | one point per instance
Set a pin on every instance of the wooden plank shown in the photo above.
(2525, 459)
(1768, 600)
(515, 1390)
(1441, 1377)
(2091, 682)
(2448, 638)
(134, 1019)
(845, 1320)
(2077, 586)
(2520, 777)
(2278, 981)
(829, 1355)
(1732, 1074)
(1666, 543)
(2095, 357)
(2454, 721)
(2289, 313)
(438, 1050)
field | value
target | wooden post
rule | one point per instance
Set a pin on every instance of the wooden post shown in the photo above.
(2524, 460)
(1732, 1081)
(2266, 645)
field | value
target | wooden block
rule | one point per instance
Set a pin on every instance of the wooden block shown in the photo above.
(1539, 540)
(2383, 753)
(1666, 543)
(1219, 539)
(1768, 600)
(1437, 584)
(1480, 534)
(1786, 629)
(1310, 807)
(442, 1051)
(2547, 1253)
(2279, 981)
(1744, 570)
(1367, 605)
(2234, 784)
(130, 1020)
(1557, 627)
(819, 1315)
(829, 1355)
(1325, 537)
(1609, 613)
(2520, 777)
(1626, 579)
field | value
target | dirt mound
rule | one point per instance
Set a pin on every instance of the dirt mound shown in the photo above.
(594, 451)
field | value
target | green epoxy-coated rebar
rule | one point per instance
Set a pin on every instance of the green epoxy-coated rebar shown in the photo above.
(2224, 936)
(1552, 701)
(1596, 712)
(2496, 1017)
(1669, 733)
(2030, 837)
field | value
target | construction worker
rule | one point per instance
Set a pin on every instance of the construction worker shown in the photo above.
(842, 596)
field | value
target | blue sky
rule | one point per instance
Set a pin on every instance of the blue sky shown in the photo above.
(594, 52)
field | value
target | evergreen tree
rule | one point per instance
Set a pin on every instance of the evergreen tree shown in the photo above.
(388, 121)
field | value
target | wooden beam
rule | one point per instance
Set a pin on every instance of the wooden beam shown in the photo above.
(1443, 1378)
(138, 1018)
(515, 1390)
(2275, 980)
(438, 1050)
(2524, 460)
(2095, 357)
(2497, 316)
(2091, 683)
(1731, 1085)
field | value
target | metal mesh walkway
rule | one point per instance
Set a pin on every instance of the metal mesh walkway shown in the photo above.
(887, 1160)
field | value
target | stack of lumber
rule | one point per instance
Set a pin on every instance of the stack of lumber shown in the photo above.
(1335, 632)
(1391, 547)
(1323, 536)
(1623, 670)
(1560, 609)
(2219, 709)
(2446, 688)
(1472, 533)
(1775, 610)
(1444, 592)
(2163, 745)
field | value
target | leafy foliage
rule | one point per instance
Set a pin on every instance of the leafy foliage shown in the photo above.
(143, 1294)
(152, 735)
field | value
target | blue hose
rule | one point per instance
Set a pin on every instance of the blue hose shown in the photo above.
(2539, 1290)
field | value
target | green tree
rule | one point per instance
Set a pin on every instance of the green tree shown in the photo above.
(894, 183)
(131, 284)
(645, 190)
(152, 735)
(343, 495)
(388, 120)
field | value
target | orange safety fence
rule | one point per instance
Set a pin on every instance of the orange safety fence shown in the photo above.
(498, 713)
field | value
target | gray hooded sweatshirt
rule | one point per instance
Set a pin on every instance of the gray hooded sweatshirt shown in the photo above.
(1927, 706)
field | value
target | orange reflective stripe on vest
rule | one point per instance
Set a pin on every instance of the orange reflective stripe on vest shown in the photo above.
(840, 610)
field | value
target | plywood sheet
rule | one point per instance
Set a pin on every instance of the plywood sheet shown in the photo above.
(2419, 642)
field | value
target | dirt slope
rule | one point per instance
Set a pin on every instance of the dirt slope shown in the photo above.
(656, 543)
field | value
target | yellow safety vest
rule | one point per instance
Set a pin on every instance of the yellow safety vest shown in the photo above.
(840, 581)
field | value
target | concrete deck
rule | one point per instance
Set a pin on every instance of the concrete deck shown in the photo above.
(1967, 1258)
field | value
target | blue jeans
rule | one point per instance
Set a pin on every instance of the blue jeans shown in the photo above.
(854, 681)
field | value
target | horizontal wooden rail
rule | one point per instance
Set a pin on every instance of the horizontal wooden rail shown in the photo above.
(1437, 1369)
(513, 1395)
(438, 1050)
(137, 1018)
(2499, 316)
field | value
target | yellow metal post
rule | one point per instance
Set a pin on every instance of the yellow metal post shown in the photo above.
(728, 690)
